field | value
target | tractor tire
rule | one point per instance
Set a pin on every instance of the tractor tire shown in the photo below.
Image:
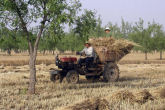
(72, 77)
(55, 78)
(111, 72)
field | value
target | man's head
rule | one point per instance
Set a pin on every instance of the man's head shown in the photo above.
(107, 30)
(87, 44)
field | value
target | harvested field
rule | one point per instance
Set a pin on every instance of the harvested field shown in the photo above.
(140, 87)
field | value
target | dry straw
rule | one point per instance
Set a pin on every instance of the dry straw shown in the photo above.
(91, 104)
(111, 49)
(143, 96)
(123, 95)
(139, 97)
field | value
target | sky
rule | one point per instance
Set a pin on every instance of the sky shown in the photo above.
(129, 10)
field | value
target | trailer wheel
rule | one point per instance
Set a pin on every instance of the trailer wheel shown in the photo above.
(111, 72)
(72, 77)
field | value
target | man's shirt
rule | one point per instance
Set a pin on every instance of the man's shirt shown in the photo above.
(89, 52)
(108, 34)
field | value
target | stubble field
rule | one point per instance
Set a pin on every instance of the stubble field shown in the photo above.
(140, 87)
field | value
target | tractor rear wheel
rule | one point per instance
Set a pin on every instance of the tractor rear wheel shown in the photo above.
(111, 72)
(72, 77)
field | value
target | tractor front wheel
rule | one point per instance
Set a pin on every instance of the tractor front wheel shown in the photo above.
(72, 77)
(55, 77)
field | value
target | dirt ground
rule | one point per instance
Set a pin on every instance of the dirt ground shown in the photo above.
(52, 96)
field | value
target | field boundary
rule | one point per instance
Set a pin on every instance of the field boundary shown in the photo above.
(142, 62)
(51, 61)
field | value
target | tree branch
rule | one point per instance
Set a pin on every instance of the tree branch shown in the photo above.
(41, 28)
(23, 26)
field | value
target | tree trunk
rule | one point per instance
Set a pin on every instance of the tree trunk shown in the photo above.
(9, 51)
(161, 55)
(146, 57)
(32, 67)
(32, 48)
(44, 52)
(53, 52)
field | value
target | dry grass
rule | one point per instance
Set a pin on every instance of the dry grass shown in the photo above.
(141, 81)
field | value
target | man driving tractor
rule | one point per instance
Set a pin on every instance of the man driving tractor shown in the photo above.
(89, 53)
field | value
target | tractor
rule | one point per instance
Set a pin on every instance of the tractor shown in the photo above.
(69, 68)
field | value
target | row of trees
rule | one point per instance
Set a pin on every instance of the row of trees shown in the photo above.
(150, 38)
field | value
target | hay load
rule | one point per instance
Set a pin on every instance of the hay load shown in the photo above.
(111, 49)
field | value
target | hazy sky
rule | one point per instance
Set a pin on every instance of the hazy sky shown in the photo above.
(130, 10)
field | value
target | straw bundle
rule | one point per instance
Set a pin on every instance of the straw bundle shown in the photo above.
(91, 104)
(123, 95)
(110, 49)
(143, 96)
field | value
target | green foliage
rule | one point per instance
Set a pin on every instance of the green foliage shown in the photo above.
(142, 37)
(126, 29)
(8, 40)
(70, 42)
(158, 37)
(85, 24)
(115, 29)
(99, 30)
(48, 14)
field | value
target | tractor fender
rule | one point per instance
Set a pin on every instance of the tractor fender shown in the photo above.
(54, 71)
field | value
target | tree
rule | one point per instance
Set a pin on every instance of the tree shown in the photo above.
(70, 42)
(126, 28)
(115, 29)
(158, 38)
(85, 24)
(23, 13)
(142, 37)
(99, 31)
(8, 40)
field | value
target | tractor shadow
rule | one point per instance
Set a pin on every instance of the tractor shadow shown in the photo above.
(123, 82)
(124, 78)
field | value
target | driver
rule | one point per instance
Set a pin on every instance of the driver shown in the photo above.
(89, 53)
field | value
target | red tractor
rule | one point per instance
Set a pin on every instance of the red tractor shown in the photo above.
(71, 69)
